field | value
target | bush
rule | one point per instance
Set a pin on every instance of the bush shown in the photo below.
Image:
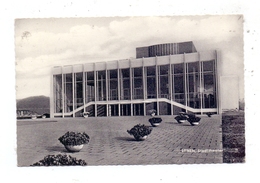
(60, 160)
(74, 138)
(140, 131)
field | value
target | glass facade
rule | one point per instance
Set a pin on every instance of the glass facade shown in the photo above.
(167, 88)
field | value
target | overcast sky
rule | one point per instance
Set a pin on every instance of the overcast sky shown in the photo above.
(44, 43)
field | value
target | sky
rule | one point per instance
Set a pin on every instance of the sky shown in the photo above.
(41, 44)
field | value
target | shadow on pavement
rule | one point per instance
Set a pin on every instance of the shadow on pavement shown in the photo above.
(56, 149)
(125, 138)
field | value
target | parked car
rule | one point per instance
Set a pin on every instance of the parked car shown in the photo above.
(46, 115)
(27, 114)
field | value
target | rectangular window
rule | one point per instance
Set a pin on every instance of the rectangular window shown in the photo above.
(101, 85)
(90, 87)
(78, 90)
(151, 81)
(178, 68)
(57, 89)
(124, 80)
(112, 85)
(137, 83)
(68, 98)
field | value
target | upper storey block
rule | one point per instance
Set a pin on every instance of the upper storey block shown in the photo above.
(165, 49)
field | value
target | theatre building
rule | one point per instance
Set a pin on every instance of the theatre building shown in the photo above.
(169, 78)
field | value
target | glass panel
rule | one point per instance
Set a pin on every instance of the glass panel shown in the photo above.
(138, 72)
(78, 90)
(124, 84)
(126, 89)
(193, 67)
(113, 74)
(113, 85)
(79, 94)
(208, 65)
(163, 87)
(57, 89)
(137, 83)
(68, 78)
(79, 76)
(178, 68)
(138, 109)
(113, 110)
(101, 75)
(164, 69)
(90, 87)
(209, 91)
(125, 73)
(151, 82)
(164, 108)
(68, 97)
(151, 71)
(194, 90)
(101, 86)
(179, 84)
(178, 89)
(138, 90)
(125, 109)
(151, 87)
(90, 75)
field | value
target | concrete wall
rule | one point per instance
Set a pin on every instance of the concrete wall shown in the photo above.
(165, 49)
(229, 91)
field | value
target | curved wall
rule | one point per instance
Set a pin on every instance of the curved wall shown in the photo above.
(165, 49)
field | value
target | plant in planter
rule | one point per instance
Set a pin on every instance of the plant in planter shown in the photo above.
(85, 114)
(182, 117)
(155, 121)
(140, 132)
(193, 119)
(74, 141)
(59, 160)
(209, 114)
(152, 112)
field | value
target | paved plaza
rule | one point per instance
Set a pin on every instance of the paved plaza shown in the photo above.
(110, 144)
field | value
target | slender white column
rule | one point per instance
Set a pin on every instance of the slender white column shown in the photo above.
(144, 86)
(107, 88)
(84, 87)
(200, 87)
(52, 96)
(170, 83)
(95, 86)
(118, 89)
(157, 85)
(62, 91)
(73, 92)
(217, 75)
(185, 82)
(131, 86)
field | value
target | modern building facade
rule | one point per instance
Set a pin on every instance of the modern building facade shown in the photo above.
(169, 78)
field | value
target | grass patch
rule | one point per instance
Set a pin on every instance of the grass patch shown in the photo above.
(233, 137)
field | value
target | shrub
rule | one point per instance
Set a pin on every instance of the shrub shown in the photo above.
(59, 160)
(140, 131)
(74, 138)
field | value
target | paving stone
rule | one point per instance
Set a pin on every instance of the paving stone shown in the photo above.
(110, 144)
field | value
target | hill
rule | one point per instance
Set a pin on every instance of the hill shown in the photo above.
(39, 104)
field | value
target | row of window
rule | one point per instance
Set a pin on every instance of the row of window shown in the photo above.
(140, 83)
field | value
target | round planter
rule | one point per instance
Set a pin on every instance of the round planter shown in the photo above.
(195, 123)
(141, 138)
(85, 116)
(155, 124)
(182, 121)
(34, 117)
(75, 148)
